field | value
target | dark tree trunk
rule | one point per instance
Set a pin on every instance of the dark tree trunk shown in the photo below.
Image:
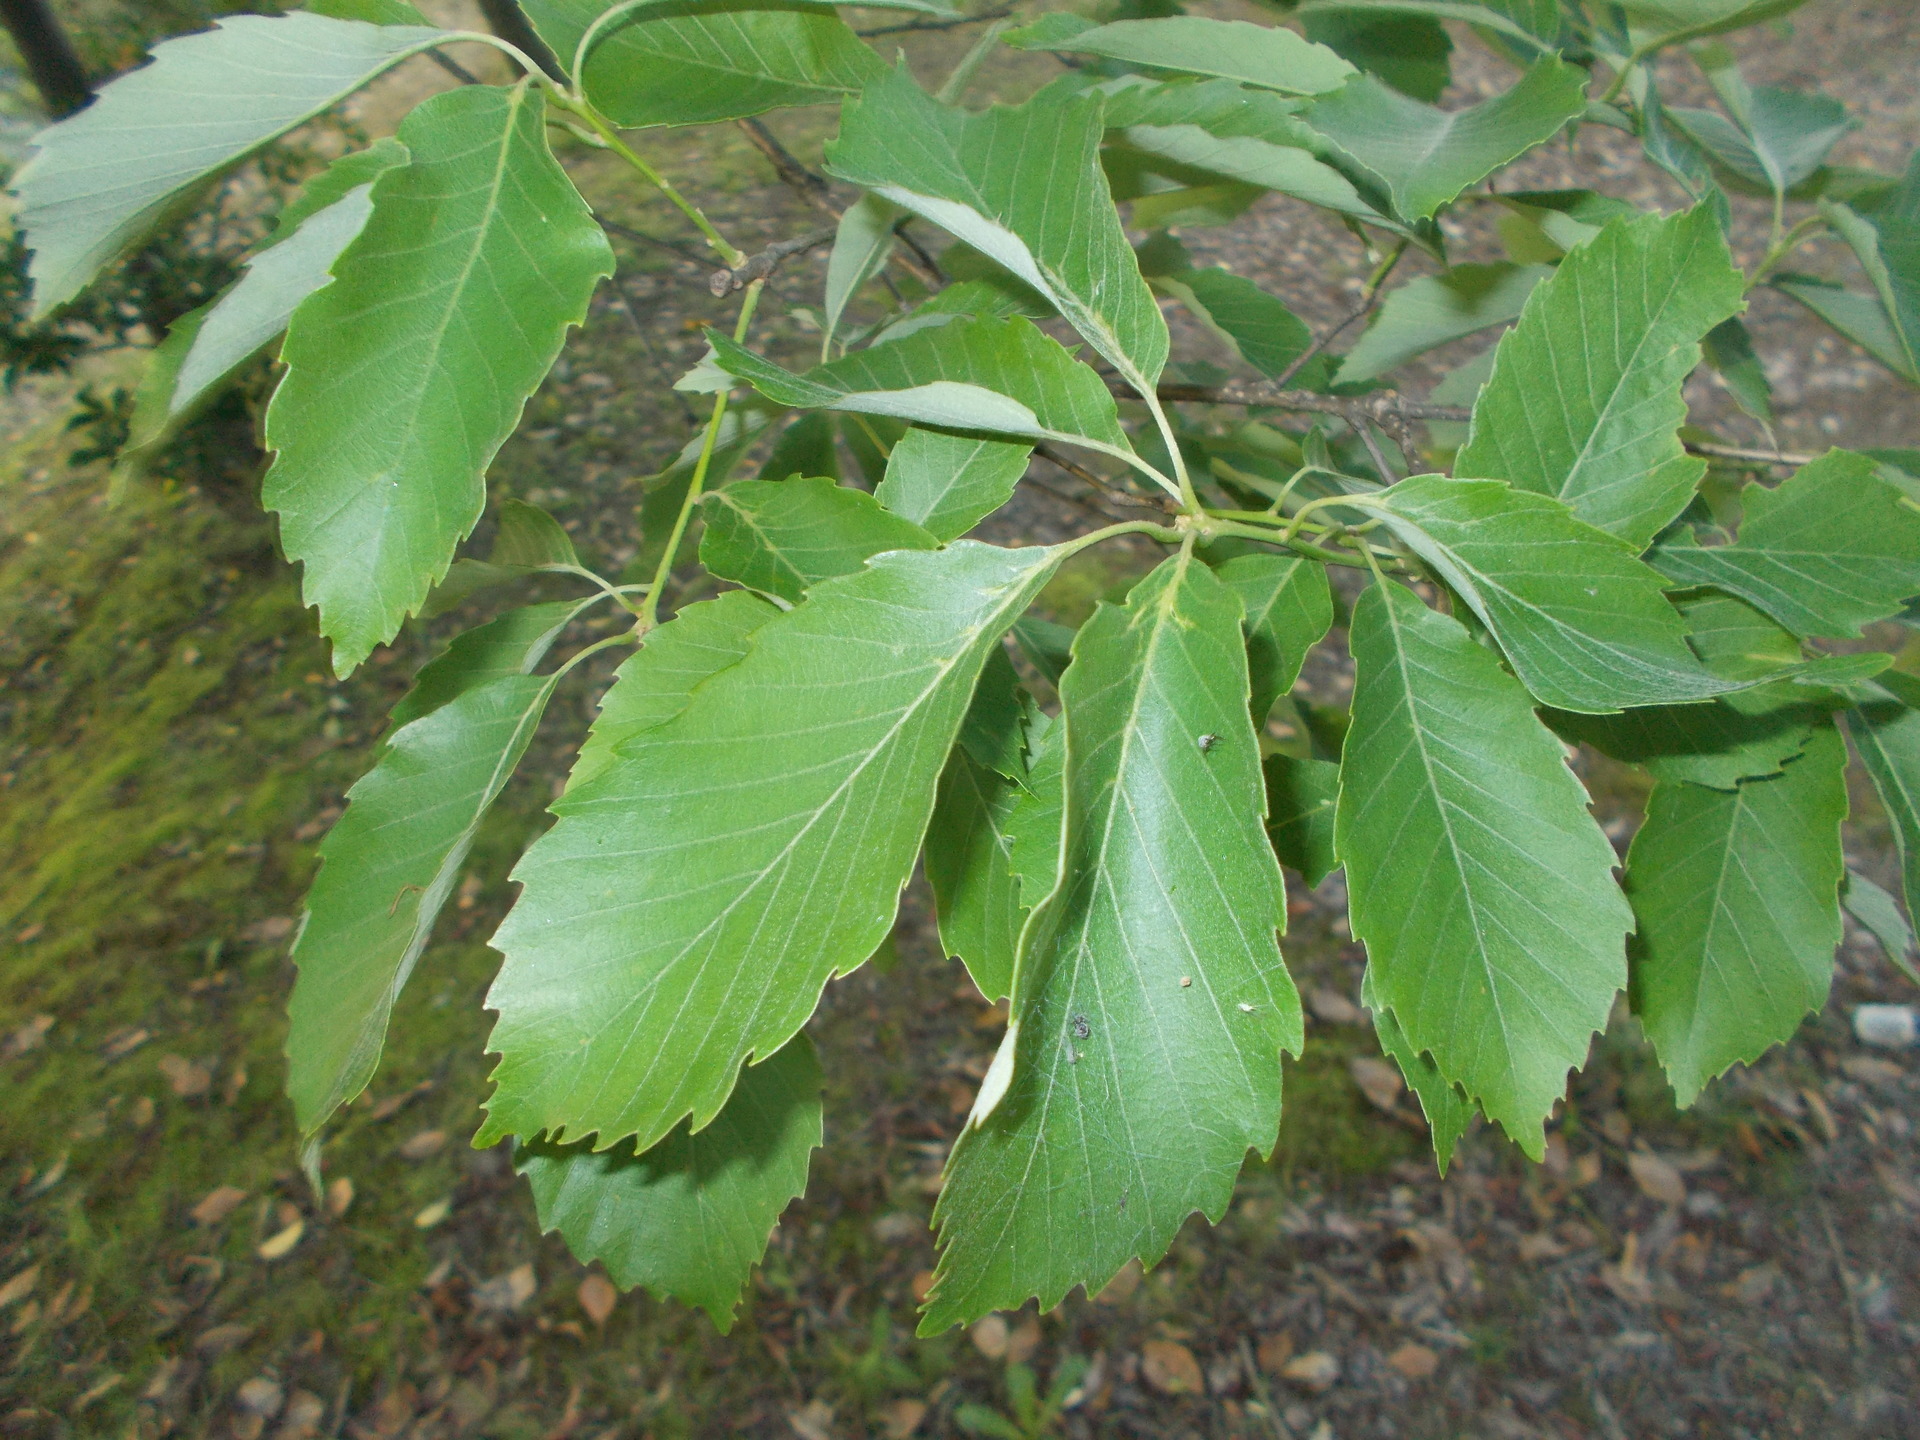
(507, 20)
(50, 57)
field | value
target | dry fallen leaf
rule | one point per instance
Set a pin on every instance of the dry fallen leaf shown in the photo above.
(1379, 1080)
(186, 1079)
(1024, 1340)
(1169, 1367)
(597, 1297)
(1334, 1008)
(217, 1204)
(1316, 1370)
(431, 1215)
(507, 1291)
(1753, 1285)
(1540, 1246)
(141, 1115)
(902, 1418)
(29, 1036)
(279, 1244)
(1416, 1362)
(812, 1422)
(1274, 1351)
(20, 1286)
(1657, 1179)
(124, 1041)
(989, 1336)
(424, 1145)
(339, 1196)
(220, 1339)
(260, 1396)
(1120, 1289)
(921, 1285)
(1628, 1279)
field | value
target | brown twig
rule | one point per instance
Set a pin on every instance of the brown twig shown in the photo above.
(1381, 407)
(763, 263)
(1002, 13)
(1111, 493)
(672, 247)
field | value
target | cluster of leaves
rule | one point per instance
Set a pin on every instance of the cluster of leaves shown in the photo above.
(772, 761)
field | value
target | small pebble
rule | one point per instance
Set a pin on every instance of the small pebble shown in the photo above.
(1891, 1027)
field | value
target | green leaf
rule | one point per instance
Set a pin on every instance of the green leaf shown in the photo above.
(1491, 16)
(1879, 913)
(248, 317)
(950, 483)
(1150, 1000)
(529, 538)
(1736, 894)
(805, 447)
(1861, 318)
(969, 863)
(153, 423)
(656, 682)
(1728, 348)
(1584, 403)
(1001, 375)
(708, 63)
(860, 250)
(1886, 242)
(386, 869)
(335, 183)
(99, 181)
(1047, 645)
(1669, 22)
(1482, 887)
(1410, 52)
(374, 12)
(1434, 309)
(511, 644)
(741, 428)
(1830, 549)
(692, 1215)
(1022, 185)
(1289, 610)
(693, 899)
(1784, 137)
(1268, 56)
(1262, 330)
(406, 374)
(1586, 626)
(997, 725)
(1886, 732)
(1448, 1112)
(1426, 157)
(1300, 810)
(783, 537)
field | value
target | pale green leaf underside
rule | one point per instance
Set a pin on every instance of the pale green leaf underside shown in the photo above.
(99, 181)
(1425, 156)
(696, 895)
(949, 483)
(1861, 318)
(1736, 893)
(1150, 1001)
(1827, 551)
(386, 869)
(1879, 913)
(711, 62)
(690, 1217)
(1586, 625)
(1271, 57)
(248, 317)
(406, 374)
(861, 246)
(1482, 887)
(1024, 186)
(1887, 735)
(1584, 403)
(781, 537)
(1434, 309)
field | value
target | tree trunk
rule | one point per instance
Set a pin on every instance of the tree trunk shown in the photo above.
(49, 54)
(507, 20)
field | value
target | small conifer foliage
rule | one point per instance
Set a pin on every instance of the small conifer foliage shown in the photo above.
(824, 681)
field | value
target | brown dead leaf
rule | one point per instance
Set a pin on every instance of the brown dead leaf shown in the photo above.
(597, 1297)
(921, 1285)
(507, 1291)
(217, 1204)
(1119, 1290)
(813, 1421)
(1379, 1080)
(1169, 1367)
(184, 1077)
(423, 1146)
(1822, 1115)
(220, 1339)
(1540, 1246)
(141, 1115)
(270, 930)
(989, 1336)
(1023, 1341)
(1416, 1362)
(1872, 1070)
(1316, 1371)
(1628, 1279)
(1586, 1169)
(902, 1418)
(19, 1286)
(124, 1041)
(1657, 1179)
(1753, 1284)
(1274, 1351)
(339, 1196)
(29, 1037)
(281, 1243)
(1334, 1008)
(261, 1396)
